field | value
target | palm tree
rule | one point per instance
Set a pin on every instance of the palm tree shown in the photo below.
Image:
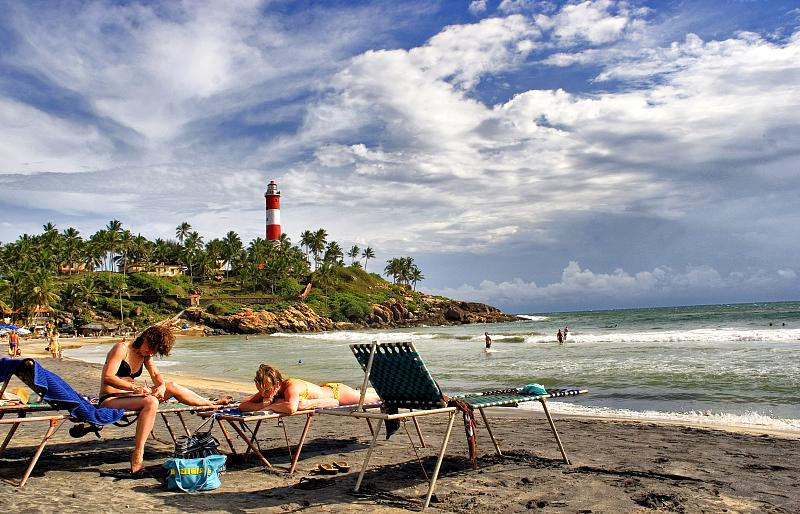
(182, 231)
(333, 254)
(117, 287)
(72, 299)
(367, 254)
(88, 288)
(125, 247)
(72, 248)
(113, 229)
(318, 242)
(353, 253)
(192, 245)
(393, 269)
(305, 241)
(232, 247)
(42, 291)
(416, 276)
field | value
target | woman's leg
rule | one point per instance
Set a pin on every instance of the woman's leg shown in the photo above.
(350, 396)
(148, 408)
(187, 396)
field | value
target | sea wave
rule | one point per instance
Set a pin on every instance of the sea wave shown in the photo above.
(531, 317)
(358, 336)
(721, 419)
(719, 335)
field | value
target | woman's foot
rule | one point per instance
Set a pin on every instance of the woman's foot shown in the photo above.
(137, 467)
(225, 400)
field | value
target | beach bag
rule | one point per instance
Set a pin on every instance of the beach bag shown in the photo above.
(191, 475)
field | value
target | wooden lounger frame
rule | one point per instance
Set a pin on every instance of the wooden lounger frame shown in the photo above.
(423, 399)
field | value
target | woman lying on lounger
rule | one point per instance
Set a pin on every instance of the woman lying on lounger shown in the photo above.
(289, 395)
(119, 391)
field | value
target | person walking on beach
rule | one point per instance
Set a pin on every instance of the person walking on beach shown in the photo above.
(55, 347)
(560, 337)
(488, 340)
(119, 391)
(13, 344)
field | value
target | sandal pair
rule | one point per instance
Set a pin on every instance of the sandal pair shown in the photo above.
(333, 468)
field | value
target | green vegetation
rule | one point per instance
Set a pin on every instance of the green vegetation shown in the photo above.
(113, 275)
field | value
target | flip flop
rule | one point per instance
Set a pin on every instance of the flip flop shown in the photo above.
(326, 469)
(342, 466)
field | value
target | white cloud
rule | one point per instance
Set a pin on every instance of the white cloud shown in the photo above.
(578, 286)
(476, 7)
(589, 21)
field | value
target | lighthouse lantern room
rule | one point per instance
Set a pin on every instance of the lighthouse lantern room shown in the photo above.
(273, 197)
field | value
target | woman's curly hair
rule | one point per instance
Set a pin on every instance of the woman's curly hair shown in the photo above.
(160, 338)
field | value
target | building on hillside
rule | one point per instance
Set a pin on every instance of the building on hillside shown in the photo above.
(160, 269)
(72, 267)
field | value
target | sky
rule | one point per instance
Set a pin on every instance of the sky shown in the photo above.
(533, 155)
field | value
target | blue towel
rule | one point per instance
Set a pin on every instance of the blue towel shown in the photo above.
(59, 394)
(533, 389)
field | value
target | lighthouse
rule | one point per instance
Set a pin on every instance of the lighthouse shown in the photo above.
(273, 197)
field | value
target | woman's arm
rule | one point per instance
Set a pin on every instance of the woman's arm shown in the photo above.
(109, 373)
(159, 386)
(291, 398)
(254, 403)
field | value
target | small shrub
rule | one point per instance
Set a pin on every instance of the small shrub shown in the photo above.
(150, 284)
(222, 308)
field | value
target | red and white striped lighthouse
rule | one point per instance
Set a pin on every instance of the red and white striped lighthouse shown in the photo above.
(273, 197)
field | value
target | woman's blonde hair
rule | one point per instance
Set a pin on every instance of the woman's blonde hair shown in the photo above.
(268, 377)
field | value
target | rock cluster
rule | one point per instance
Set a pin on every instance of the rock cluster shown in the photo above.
(394, 312)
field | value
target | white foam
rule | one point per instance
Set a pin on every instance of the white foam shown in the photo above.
(721, 419)
(358, 336)
(707, 335)
(533, 318)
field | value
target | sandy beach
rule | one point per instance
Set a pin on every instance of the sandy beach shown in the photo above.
(616, 467)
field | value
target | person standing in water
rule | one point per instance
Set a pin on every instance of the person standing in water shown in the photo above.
(566, 331)
(560, 337)
(488, 340)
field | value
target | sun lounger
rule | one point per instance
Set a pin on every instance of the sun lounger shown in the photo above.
(239, 420)
(408, 390)
(57, 396)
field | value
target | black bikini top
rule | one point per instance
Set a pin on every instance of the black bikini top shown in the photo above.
(125, 370)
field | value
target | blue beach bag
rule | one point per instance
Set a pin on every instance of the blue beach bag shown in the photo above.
(191, 475)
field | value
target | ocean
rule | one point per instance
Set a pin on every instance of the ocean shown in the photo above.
(716, 364)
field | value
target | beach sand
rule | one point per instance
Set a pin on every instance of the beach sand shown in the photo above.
(617, 466)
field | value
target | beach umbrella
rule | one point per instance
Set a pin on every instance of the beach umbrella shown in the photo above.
(23, 331)
(10, 327)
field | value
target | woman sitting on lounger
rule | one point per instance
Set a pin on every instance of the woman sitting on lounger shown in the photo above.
(288, 395)
(119, 391)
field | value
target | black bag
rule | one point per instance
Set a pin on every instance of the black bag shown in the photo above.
(198, 445)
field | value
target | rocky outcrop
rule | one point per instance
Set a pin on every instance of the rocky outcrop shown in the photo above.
(394, 312)
(296, 318)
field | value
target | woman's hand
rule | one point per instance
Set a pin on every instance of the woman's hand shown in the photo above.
(140, 389)
(159, 391)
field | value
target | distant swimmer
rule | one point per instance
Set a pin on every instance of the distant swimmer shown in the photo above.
(566, 331)
(488, 341)
(560, 337)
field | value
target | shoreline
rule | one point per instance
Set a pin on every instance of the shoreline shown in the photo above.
(194, 381)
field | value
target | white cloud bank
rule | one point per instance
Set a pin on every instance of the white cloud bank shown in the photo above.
(582, 287)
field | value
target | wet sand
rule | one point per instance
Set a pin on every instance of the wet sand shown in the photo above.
(617, 466)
